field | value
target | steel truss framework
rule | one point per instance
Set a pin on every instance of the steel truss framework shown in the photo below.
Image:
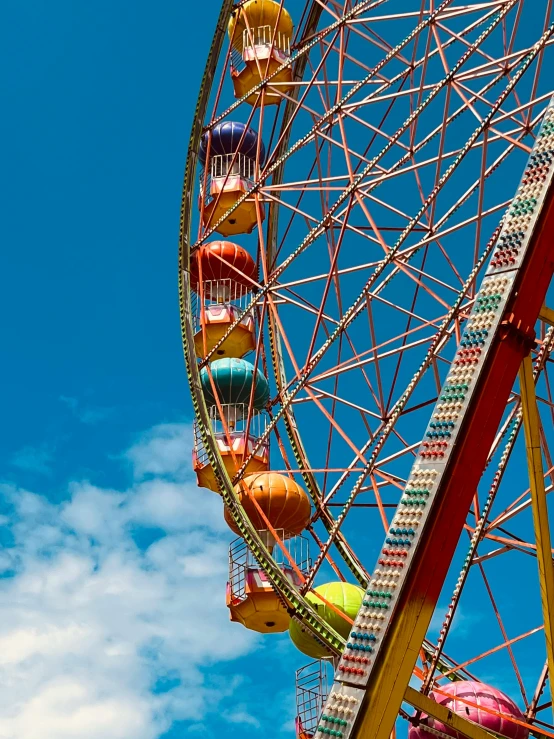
(391, 161)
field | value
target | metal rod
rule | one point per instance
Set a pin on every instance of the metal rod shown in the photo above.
(531, 426)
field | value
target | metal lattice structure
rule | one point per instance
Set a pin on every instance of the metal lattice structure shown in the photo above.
(401, 222)
(312, 690)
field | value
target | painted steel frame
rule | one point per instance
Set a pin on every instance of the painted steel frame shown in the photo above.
(383, 683)
(297, 444)
(531, 426)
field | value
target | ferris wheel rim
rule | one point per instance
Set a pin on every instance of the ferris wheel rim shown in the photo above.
(275, 369)
(302, 608)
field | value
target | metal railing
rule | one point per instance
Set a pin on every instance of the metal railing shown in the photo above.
(236, 419)
(213, 314)
(227, 292)
(223, 167)
(241, 559)
(199, 450)
(232, 165)
(266, 36)
(312, 688)
(237, 62)
(252, 39)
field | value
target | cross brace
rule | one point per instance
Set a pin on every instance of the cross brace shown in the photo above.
(427, 705)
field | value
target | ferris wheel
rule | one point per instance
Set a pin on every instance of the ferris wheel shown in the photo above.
(364, 268)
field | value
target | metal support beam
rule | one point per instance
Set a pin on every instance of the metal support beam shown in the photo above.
(532, 710)
(531, 425)
(547, 315)
(384, 644)
(426, 705)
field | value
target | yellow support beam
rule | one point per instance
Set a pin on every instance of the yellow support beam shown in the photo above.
(547, 315)
(531, 426)
(426, 705)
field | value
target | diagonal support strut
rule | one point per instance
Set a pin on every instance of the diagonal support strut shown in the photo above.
(531, 426)
(427, 705)
(383, 647)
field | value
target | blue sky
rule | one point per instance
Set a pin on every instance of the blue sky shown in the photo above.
(98, 106)
(113, 597)
(112, 615)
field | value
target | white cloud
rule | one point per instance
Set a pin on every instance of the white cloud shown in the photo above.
(65, 708)
(94, 512)
(461, 625)
(34, 459)
(241, 716)
(165, 450)
(90, 623)
(86, 414)
(176, 506)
